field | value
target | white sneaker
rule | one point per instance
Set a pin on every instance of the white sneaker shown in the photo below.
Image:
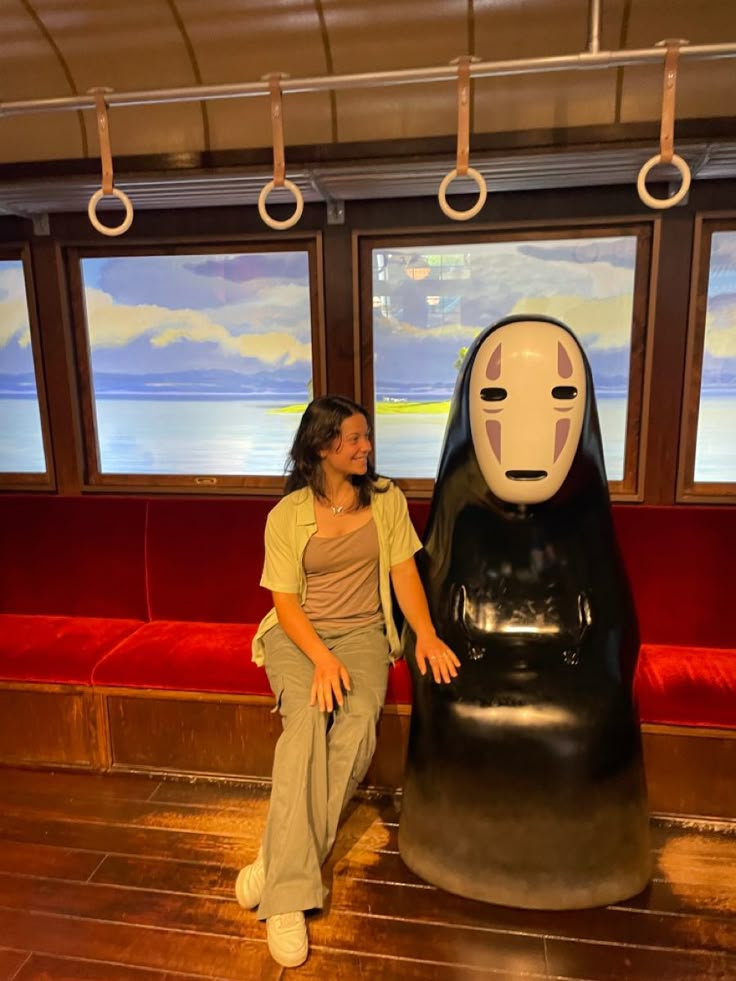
(287, 938)
(250, 882)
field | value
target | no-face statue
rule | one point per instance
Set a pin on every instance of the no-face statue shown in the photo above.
(524, 782)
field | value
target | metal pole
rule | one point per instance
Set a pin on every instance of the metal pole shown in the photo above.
(322, 83)
(594, 26)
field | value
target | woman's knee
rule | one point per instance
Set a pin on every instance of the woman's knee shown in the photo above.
(299, 717)
(359, 730)
(365, 701)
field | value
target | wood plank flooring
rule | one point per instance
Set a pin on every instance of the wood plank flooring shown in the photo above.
(110, 878)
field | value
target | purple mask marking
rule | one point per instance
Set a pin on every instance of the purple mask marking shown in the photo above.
(564, 364)
(493, 429)
(493, 371)
(562, 431)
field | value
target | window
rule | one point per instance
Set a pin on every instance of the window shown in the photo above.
(708, 460)
(200, 363)
(429, 300)
(22, 449)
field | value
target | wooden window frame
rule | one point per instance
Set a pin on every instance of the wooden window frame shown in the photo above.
(690, 491)
(630, 488)
(205, 484)
(46, 480)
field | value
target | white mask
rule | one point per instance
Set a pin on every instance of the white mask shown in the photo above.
(527, 401)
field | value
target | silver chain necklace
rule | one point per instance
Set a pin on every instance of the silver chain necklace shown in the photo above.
(339, 509)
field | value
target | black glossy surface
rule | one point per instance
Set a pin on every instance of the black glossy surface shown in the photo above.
(524, 781)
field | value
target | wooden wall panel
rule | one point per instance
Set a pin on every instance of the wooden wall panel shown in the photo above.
(691, 771)
(193, 736)
(387, 768)
(228, 738)
(41, 727)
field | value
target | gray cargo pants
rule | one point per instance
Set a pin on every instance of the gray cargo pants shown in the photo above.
(316, 771)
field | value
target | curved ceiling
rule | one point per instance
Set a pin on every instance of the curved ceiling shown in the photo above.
(65, 47)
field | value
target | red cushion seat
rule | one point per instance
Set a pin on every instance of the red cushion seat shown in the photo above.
(57, 650)
(687, 686)
(186, 656)
(399, 691)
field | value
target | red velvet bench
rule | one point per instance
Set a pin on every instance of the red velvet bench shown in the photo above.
(125, 630)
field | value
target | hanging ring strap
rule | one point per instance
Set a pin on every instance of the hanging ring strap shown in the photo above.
(279, 163)
(107, 188)
(463, 148)
(666, 153)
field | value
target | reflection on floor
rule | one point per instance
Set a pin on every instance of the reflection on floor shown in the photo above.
(126, 877)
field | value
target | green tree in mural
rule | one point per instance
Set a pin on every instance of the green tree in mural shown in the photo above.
(460, 358)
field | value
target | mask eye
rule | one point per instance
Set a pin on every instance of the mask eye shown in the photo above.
(493, 394)
(564, 392)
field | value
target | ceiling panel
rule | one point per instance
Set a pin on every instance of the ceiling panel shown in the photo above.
(383, 35)
(510, 29)
(130, 45)
(55, 47)
(704, 88)
(30, 68)
(236, 41)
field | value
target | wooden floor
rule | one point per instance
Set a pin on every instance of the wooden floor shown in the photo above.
(117, 877)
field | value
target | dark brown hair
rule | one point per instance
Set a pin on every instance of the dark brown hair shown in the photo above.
(319, 427)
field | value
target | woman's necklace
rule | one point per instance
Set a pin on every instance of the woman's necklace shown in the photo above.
(339, 509)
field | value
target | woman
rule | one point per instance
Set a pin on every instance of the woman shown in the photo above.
(335, 544)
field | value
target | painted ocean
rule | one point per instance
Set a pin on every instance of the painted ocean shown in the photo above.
(247, 436)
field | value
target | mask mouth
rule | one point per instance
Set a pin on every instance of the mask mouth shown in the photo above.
(526, 474)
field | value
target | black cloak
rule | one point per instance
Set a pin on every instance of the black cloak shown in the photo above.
(524, 782)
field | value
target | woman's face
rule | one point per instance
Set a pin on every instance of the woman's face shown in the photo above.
(347, 455)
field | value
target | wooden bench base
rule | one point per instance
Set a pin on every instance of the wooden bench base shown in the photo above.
(689, 770)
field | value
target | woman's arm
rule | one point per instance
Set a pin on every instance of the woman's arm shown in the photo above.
(413, 602)
(330, 674)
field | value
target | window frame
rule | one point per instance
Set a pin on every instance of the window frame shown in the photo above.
(689, 490)
(631, 487)
(205, 484)
(41, 480)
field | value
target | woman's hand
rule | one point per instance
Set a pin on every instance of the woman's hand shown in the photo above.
(430, 650)
(330, 677)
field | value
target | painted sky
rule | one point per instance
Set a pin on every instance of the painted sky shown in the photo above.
(586, 283)
(719, 363)
(249, 313)
(246, 313)
(16, 356)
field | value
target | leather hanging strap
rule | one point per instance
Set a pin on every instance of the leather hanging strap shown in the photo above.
(277, 130)
(666, 133)
(463, 115)
(103, 132)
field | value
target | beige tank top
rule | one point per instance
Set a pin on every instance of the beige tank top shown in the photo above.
(342, 579)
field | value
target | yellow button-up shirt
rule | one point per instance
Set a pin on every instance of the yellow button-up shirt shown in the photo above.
(292, 523)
